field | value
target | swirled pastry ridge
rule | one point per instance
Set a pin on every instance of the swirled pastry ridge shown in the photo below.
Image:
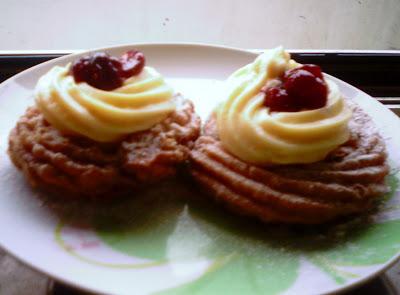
(346, 182)
(72, 166)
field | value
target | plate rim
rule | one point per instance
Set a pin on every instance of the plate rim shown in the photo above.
(70, 282)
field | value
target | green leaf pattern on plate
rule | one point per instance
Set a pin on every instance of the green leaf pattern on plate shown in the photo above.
(238, 252)
(247, 257)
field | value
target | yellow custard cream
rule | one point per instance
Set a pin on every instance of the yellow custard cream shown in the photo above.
(141, 102)
(249, 131)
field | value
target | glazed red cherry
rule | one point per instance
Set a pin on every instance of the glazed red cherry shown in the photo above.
(313, 69)
(278, 100)
(302, 88)
(132, 63)
(106, 72)
(98, 70)
(308, 90)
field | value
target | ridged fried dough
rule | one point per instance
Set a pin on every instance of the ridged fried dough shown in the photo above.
(346, 182)
(73, 166)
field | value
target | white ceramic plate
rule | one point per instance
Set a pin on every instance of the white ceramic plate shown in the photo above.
(181, 248)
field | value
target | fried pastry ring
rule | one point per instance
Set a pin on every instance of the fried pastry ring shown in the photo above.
(74, 166)
(347, 181)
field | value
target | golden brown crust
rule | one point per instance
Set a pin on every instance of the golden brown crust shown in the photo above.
(346, 182)
(74, 166)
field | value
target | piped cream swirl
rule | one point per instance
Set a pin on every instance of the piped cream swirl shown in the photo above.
(249, 131)
(105, 116)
